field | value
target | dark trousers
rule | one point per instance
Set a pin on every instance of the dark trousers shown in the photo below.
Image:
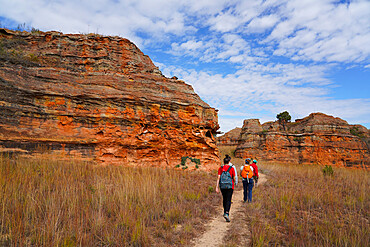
(227, 194)
(247, 189)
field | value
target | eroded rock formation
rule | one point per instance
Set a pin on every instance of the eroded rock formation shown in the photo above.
(318, 138)
(91, 95)
(230, 138)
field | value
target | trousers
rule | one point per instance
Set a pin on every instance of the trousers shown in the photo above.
(247, 189)
(227, 194)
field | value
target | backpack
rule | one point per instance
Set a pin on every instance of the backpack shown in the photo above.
(226, 182)
(247, 172)
(255, 168)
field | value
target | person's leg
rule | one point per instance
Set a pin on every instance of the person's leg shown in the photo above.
(229, 196)
(224, 199)
(250, 187)
(245, 190)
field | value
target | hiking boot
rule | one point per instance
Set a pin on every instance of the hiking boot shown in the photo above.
(227, 218)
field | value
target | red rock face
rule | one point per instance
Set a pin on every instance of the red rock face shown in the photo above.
(318, 138)
(100, 97)
(230, 138)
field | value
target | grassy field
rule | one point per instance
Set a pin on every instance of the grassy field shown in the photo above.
(48, 202)
(300, 206)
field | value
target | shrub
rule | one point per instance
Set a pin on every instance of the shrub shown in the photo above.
(194, 160)
(297, 139)
(284, 117)
(210, 189)
(328, 171)
(11, 52)
(355, 131)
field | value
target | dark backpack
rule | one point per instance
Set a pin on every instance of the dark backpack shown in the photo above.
(226, 182)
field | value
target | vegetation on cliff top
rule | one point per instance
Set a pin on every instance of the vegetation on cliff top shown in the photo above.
(284, 117)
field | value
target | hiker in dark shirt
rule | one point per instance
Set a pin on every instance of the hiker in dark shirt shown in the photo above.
(225, 174)
(246, 172)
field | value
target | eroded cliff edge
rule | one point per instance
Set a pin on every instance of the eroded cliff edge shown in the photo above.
(99, 96)
(316, 139)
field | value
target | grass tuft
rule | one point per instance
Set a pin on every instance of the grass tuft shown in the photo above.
(47, 202)
(298, 206)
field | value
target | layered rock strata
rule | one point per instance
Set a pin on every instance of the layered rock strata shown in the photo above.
(230, 138)
(101, 97)
(318, 138)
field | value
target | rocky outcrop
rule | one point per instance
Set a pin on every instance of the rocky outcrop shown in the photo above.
(230, 138)
(318, 138)
(101, 97)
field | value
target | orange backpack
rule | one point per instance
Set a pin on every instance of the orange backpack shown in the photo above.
(247, 172)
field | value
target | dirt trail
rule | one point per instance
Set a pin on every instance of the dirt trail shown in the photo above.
(217, 227)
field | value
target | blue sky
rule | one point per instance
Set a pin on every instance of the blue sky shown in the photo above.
(247, 58)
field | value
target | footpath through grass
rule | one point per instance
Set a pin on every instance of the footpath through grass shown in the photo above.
(299, 206)
(68, 203)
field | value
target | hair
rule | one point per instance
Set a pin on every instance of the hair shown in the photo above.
(227, 157)
(226, 160)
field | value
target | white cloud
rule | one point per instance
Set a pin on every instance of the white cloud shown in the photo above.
(250, 38)
(263, 23)
(224, 22)
(270, 89)
(323, 31)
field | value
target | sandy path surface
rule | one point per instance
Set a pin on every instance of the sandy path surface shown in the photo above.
(217, 228)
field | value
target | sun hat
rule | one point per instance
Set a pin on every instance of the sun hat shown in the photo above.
(247, 160)
(255, 161)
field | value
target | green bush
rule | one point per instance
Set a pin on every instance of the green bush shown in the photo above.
(211, 189)
(355, 131)
(195, 160)
(328, 171)
(297, 139)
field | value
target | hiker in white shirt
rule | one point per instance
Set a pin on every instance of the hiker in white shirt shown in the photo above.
(232, 165)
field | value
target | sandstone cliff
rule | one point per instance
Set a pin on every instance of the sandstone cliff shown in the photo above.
(230, 138)
(318, 138)
(101, 97)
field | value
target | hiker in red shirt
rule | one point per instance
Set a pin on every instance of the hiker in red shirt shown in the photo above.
(255, 171)
(225, 182)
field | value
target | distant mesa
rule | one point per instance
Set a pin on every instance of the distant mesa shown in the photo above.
(100, 97)
(316, 139)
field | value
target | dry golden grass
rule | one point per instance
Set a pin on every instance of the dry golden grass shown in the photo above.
(70, 203)
(299, 206)
(230, 151)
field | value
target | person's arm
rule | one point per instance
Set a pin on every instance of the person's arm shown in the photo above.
(218, 184)
(236, 176)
